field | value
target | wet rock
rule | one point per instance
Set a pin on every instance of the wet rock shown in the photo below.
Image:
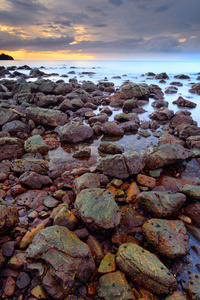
(160, 103)
(182, 76)
(65, 105)
(171, 90)
(34, 180)
(29, 236)
(182, 117)
(133, 90)
(156, 92)
(89, 86)
(130, 218)
(35, 72)
(192, 191)
(111, 128)
(85, 181)
(129, 105)
(32, 199)
(107, 264)
(43, 100)
(121, 165)
(130, 126)
(166, 154)
(132, 192)
(36, 144)
(11, 148)
(145, 269)
(96, 249)
(184, 102)
(162, 114)
(110, 148)
(114, 286)
(17, 261)
(193, 211)
(20, 166)
(161, 204)
(174, 184)
(102, 118)
(44, 116)
(194, 286)
(7, 115)
(66, 259)
(185, 130)
(9, 288)
(162, 75)
(168, 237)
(121, 117)
(65, 218)
(8, 217)
(146, 180)
(98, 208)
(73, 133)
(167, 138)
(23, 280)
(195, 89)
(82, 152)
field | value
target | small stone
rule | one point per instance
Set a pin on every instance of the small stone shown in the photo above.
(9, 288)
(23, 280)
(29, 236)
(107, 264)
(39, 292)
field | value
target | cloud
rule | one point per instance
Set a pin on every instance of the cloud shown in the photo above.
(116, 2)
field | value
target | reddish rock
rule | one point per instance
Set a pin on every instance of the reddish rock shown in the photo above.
(32, 199)
(8, 217)
(73, 133)
(34, 180)
(185, 130)
(132, 192)
(177, 295)
(194, 286)
(111, 128)
(181, 102)
(146, 181)
(95, 248)
(17, 261)
(85, 181)
(169, 238)
(8, 248)
(182, 117)
(193, 211)
(17, 190)
(33, 164)
(11, 148)
(193, 142)
(162, 114)
(173, 184)
(195, 89)
(9, 288)
(130, 218)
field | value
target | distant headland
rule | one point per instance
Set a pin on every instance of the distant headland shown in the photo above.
(6, 57)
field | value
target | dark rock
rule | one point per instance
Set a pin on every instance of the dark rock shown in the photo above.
(171, 90)
(36, 72)
(45, 116)
(16, 126)
(43, 100)
(162, 114)
(191, 191)
(145, 269)
(130, 218)
(184, 102)
(111, 128)
(114, 286)
(195, 89)
(161, 204)
(176, 83)
(65, 258)
(95, 248)
(32, 199)
(34, 180)
(169, 237)
(159, 103)
(82, 152)
(110, 148)
(166, 154)
(193, 211)
(98, 209)
(8, 217)
(182, 76)
(121, 165)
(133, 90)
(167, 138)
(193, 141)
(102, 118)
(7, 115)
(156, 92)
(65, 105)
(121, 117)
(162, 76)
(129, 105)
(177, 295)
(11, 148)
(130, 126)
(181, 117)
(89, 86)
(23, 280)
(73, 133)
(184, 130)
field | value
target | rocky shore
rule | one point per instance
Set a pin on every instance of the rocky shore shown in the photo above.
(119, 225)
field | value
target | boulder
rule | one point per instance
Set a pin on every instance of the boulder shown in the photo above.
(171, 90)
(161, 204)
(156, 92)
(65, 259)
(111, 128)
(168, 237)
(134, 90)
(145, 269)
(162, 75)
(7, 115)
(115, 286)
(121, 165)
(162, 114)
(31, 164)
(44, 116)
(110, 148)
(31, 199)
(97, 208)
(192, 191)
(195, 89)
(65, 105)
(193, 141)
(36, 144)
(181, 102)
(85, 181)
(182, 117)
(182, 76)
(34, 180)
(43, 100)
(11, 148)
(184, 130)
(193, 212)
(73, 133)
(129, 105)
(166, 154)
(8, 218)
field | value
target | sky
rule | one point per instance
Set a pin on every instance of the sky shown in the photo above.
(100, 29)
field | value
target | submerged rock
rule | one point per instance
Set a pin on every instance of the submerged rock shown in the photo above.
(64, 258)
(145, 269)
(97, 208)
(169, 237)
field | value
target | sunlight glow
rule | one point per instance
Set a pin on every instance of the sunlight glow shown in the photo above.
(182, 40)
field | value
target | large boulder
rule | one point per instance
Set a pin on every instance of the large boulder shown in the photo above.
(121, 165)
(44, 116)
(8, 217)
(161, 204)
(166, 154)
(145, 269)
(34, 180)
(195, 89)
(169, 237)
(134, 90)
(97, 208)
(181, 102)
(11, 148)
(57, 255)
(162, 114)
(73, 133)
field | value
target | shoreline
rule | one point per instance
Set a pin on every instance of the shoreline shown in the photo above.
(153, 179)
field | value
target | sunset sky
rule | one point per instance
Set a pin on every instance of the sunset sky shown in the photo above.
(99, 29)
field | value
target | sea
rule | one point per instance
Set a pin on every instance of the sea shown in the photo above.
(119, 72)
